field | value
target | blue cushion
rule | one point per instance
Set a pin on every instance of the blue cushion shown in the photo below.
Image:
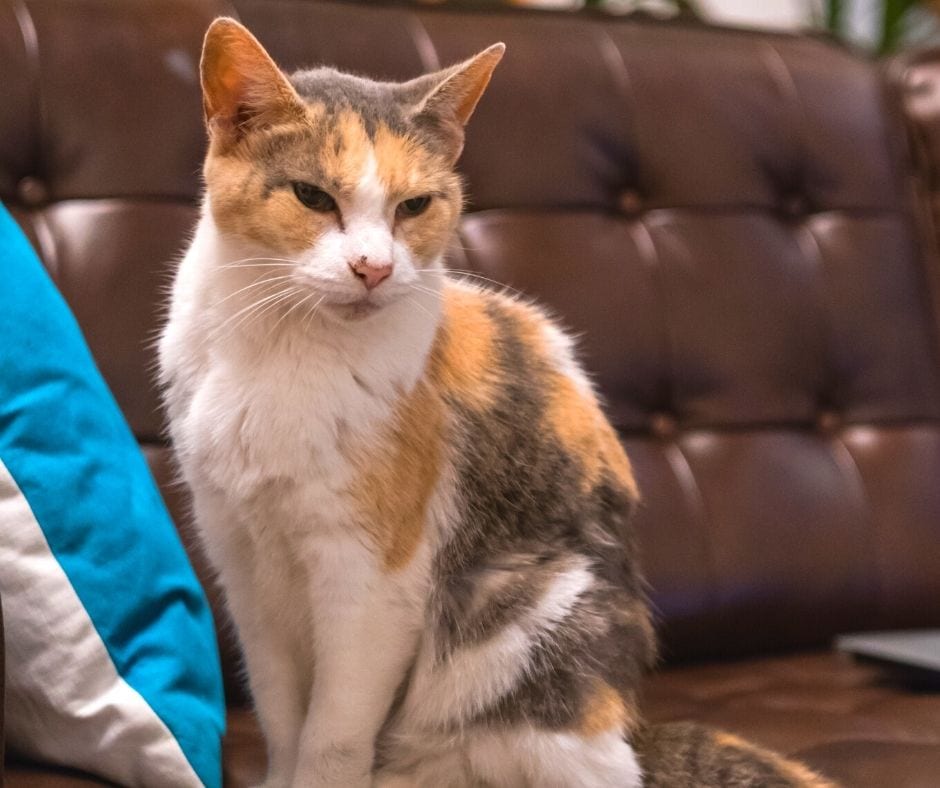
(112, 664)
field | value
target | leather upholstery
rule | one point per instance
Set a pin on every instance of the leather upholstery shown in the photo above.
(840, 716)
(732, 220)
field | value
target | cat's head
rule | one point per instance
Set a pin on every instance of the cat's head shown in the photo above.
(351, 180)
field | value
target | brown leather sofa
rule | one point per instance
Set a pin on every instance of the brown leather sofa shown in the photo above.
(740, 224)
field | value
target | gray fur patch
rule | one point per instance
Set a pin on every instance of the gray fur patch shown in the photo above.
(375, 102)
(527, 520)
(388, 104)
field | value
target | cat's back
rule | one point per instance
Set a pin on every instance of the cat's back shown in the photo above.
(539, 542)
(536, 461)
(510, 373)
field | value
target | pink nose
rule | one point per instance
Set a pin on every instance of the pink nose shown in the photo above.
(371, 274)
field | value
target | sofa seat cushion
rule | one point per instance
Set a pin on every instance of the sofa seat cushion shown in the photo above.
(34, 775)
(851, 721)
(848, 720)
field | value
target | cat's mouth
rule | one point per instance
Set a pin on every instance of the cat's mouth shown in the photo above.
(357, 310)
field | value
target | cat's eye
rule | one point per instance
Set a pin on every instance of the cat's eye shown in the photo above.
(314, 197)
(414, 206)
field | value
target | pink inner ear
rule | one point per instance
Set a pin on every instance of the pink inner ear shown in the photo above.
(233, 62)
(228, 95)
(469, 88)
(221, 82)
(460, 93)
(243, 89)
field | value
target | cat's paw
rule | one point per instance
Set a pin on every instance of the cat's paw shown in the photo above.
(278, 777)
(273, 782)
(332, 781)
(337, 766)
(385, 780)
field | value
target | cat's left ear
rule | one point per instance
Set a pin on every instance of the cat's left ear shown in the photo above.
(448, 98)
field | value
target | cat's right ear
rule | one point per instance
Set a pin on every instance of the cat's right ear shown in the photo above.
(445, 100)
(242, 87)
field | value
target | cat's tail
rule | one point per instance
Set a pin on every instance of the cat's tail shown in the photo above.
(686, 755)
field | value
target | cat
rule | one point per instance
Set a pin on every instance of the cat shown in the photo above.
(414, 503)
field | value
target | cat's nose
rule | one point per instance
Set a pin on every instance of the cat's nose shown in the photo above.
(371, 274)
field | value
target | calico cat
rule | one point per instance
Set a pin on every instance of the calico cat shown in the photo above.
(415, 505)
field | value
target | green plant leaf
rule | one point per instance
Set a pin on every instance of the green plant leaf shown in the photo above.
(687, 7)
(892, 23)
(833, 21)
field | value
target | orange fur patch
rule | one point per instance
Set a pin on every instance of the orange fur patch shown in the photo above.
(278, 219)
(528, 324)
(615, 458)
(573, 414)
(242, 206)
(408, 170)
(398, 476)
(343, 157)
(604, 710)
(725, 739)
(280, 222)
(462, 361)
(793, 770)
(402, 164)
(579, 423)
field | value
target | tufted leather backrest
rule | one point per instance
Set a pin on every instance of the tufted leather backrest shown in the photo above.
(726, 218)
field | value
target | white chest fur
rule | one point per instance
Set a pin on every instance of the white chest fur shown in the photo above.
(261, 417)
(258, 420)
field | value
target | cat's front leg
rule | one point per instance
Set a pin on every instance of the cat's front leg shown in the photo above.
(277, 688)
(258, 596)
(368, 622)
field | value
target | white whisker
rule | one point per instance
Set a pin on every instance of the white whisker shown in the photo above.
(311, 313)
(458, 272)
(426, 290)
(255, 308)
(273, 305)
(422, 307)
(292, 309)
(255, 283)
(243, 262)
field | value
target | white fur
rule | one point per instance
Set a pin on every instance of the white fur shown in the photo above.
(370, 192)
(525, 758)
(443, 693)
(556, 760)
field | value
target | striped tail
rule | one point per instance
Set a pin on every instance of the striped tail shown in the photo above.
(686, 755)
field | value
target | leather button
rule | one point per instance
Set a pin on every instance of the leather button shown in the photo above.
(828, 421)
(664, 425)
(919, 87)
(795, 205)
(32, 192)
(630, 202)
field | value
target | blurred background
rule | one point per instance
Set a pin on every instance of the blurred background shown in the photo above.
(875, 26)
(742, 228)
